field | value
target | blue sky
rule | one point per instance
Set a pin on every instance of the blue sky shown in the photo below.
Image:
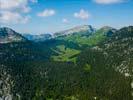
(42, 16)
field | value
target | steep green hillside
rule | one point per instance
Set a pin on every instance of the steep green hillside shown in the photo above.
(83, 39)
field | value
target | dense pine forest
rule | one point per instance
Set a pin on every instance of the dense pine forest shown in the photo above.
(85, 65)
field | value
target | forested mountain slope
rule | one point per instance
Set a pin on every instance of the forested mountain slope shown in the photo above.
(101, 72)
(115, 56)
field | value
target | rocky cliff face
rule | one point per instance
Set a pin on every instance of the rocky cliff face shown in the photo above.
(6, 84)
(8, 35)
(79, 29)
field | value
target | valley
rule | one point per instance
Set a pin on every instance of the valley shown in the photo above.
(82, 63)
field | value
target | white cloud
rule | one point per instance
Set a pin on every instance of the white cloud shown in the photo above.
(109, 1)
(8, 17)
(46, 13)
(82, 14)
(12, 11)
(19, 5)
(65, 20)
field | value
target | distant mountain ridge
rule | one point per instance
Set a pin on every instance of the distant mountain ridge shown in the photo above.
(79, 29)
(37, 38)
(8, 35)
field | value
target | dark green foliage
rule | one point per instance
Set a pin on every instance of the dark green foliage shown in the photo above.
(103, 79)
(97, 74)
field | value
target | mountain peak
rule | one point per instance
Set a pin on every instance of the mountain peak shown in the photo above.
(107, 28)
(7, 35)
(84, 27)
(77, 29)
(6, 30)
